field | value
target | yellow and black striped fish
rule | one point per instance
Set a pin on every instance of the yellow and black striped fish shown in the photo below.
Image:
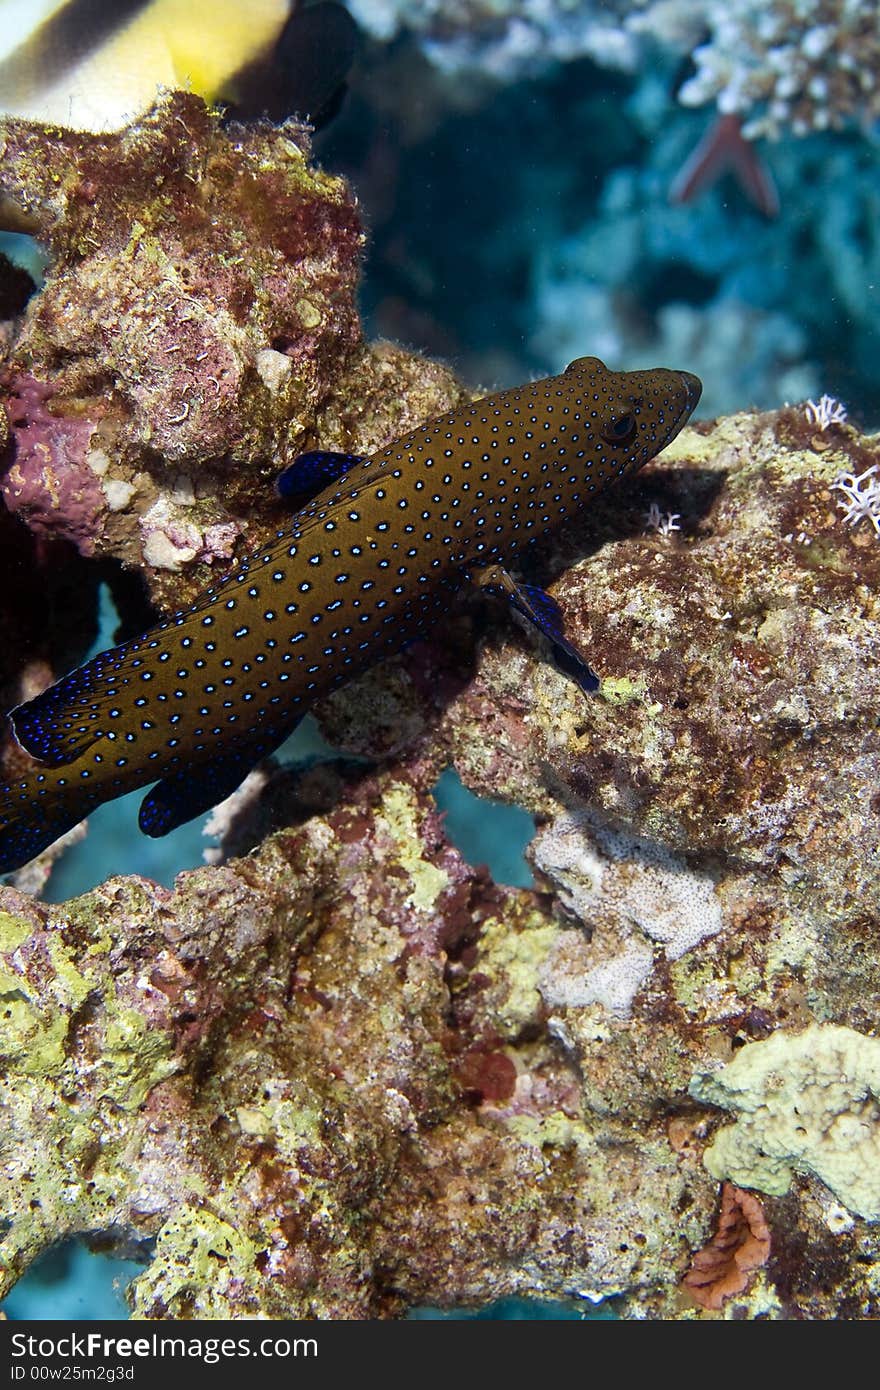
(366, 566)
(97, 64)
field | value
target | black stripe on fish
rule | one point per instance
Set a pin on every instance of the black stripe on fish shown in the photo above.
(64, 39)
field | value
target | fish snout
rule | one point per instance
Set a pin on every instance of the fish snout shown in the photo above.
(693, 389)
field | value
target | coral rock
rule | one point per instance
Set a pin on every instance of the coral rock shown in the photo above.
(382, 1117)
(196, 330)
(807, 1102)
(395, 1082)
(52, 484)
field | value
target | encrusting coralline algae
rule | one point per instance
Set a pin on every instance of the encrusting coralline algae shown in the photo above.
(347, 1073)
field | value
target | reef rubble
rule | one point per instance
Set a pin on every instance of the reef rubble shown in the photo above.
(340, 1072)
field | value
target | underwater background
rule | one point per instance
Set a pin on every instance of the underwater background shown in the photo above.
(652, 181)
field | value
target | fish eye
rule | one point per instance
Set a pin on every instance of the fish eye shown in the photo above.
(620, 430)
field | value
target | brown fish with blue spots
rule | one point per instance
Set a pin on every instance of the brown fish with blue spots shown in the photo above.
(374, 556)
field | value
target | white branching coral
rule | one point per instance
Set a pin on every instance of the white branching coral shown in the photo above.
(505, 38)
(799, 65)
(861, 497)
(663, 524)
(824, 412)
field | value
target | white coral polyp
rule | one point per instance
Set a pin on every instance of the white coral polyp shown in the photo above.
(640, 883)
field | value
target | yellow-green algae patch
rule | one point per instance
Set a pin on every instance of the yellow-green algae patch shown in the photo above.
(31, 1043)
(689, 442)
(622, 690)
(514, 960)
(291, 1114)
(201, 1263)
(554, 1131)
(35, 1020)
(135, 1058)
(808, 1103)
(76, 1057)
(71, 987)
(794, 945)
(13, 931)
(695, 979)
(401, 814)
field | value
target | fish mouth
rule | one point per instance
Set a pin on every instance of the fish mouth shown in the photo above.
(693, 389)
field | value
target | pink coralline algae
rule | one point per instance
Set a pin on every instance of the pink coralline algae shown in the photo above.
(51, 484)
(196, 330)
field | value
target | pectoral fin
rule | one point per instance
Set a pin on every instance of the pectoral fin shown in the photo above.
(542, 613)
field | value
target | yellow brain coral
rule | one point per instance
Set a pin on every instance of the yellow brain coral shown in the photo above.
(807, 1102)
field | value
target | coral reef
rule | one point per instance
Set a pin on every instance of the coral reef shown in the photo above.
(794, 64)
(348, 1074)
(789, 64)
(379, 1103)
(339, 1072)
(504, 41)
(563, 233)
(764, 310)
(745, 353)
(563, 250)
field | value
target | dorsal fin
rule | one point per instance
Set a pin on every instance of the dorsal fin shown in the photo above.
(312, 472)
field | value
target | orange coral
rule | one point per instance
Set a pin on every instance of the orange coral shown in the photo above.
(740, 1245)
